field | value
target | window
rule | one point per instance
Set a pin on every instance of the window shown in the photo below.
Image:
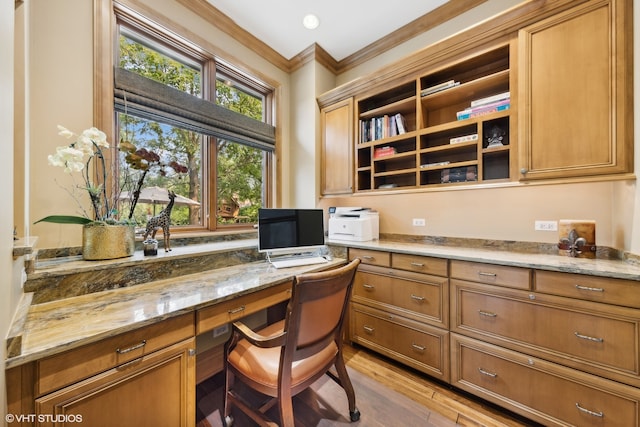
(186, 107)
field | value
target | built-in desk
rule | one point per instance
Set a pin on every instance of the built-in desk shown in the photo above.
(80, 354)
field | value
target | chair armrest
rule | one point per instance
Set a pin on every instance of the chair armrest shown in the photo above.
(259, 340)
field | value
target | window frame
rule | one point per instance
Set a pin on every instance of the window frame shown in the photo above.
(108, 16)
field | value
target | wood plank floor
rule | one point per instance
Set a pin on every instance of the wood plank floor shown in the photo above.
(436, 402)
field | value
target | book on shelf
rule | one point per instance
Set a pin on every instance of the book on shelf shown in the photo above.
(491, 99)
(439, 87)
(434, 164)
(459, 174)
(382, 127)
(401, 124)
(383, 152)
(483, 110)
(464, 138)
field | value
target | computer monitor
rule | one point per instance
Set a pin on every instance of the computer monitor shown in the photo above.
(290, 231)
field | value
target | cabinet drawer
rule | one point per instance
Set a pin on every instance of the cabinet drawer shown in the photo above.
(69, 367)
(155, 390)
(592, 288)
(417, 345)
(211, 317)
(367, 256)
(548, 393)
(560, 329)
(421, 264)
(512, 277)
(417, 296)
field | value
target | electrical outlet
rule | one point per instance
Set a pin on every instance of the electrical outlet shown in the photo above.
(546, 226)
(419, 222)
(220, 330)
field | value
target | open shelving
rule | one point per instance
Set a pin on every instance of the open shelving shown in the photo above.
(436, 148)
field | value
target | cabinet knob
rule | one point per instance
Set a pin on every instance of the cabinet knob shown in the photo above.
(523, 171)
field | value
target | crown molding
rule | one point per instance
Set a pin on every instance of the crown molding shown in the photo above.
(315, 52)
(225, 24)
(424, 23)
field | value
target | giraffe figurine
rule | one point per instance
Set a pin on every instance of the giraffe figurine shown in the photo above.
(162, 220)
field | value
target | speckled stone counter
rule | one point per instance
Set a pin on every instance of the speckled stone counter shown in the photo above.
(49, 328)
(73, 302)
(613, 268)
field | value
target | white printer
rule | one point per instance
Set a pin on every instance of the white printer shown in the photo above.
(353, 224)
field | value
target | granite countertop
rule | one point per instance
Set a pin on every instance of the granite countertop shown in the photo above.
(44, 328)
(553, 262)
(41, 330)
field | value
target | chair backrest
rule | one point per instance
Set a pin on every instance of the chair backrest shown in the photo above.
(316, 310)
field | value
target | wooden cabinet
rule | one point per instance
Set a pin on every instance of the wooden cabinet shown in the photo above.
(337, 148)
(142, 377)
(559, 348)
(399, 310)
(589, 336)
(154, 389)
(546, 392)
(567, 70)
(575, 85)
(410, 136)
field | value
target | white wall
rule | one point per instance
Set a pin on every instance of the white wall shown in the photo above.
(304, 151)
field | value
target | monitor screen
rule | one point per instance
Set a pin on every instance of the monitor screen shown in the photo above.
(290, 230)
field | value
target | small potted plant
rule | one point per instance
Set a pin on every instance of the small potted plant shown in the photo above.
(105, 234)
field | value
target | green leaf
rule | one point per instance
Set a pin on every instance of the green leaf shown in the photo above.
(65, 219)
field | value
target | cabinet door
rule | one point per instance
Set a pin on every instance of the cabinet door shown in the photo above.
(337, 146)
(154, 390)
(575, 81)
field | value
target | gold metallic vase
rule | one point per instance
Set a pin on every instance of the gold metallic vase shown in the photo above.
(101, 242)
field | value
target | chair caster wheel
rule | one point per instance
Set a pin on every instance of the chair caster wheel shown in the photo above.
(228, 421)
(355, 415)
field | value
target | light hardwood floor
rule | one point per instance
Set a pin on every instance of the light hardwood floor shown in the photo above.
(449, 406)
(453, 405)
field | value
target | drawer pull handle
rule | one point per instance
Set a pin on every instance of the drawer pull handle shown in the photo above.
(487, 373)
(135, 347)
(369, 257)
(236, 310)
(417, 264)
(588, 288)
(487, 313)
(482, 273)
(587, 337)
(599, 414)
(368, 287)
(418, 347)
(417, 298)
(368, 329)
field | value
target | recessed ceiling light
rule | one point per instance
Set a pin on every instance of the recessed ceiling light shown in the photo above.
(310, 21)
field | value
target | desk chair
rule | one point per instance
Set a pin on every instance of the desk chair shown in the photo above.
(286, 357)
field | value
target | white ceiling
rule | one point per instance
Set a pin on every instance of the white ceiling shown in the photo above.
(346, 26)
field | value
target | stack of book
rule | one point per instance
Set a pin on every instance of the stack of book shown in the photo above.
(459, 174)
(464, 138)
(439, 87)
(488, 105)
(383, 152)
(382, 127)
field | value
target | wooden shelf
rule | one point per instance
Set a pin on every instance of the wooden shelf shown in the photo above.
(402, 106)
(451, 147)
(470, 90)
(432, 124)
